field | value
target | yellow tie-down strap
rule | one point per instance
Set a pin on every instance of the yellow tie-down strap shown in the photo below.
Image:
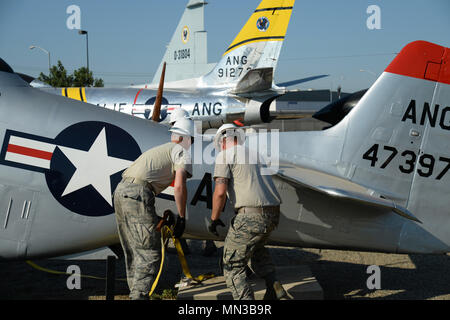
(38, 267)
(167, 233)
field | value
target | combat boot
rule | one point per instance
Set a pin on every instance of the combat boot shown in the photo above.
(277, 292)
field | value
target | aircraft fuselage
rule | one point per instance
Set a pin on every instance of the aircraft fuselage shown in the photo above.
(213, 108)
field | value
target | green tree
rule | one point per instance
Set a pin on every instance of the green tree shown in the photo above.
(80, 77)
(58, 77)
(98, 82)
(83, 78)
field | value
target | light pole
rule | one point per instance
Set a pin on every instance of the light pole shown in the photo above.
(87, 47)
(48, 53)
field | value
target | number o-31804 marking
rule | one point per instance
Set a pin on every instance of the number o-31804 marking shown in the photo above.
(425, 167)
(182, 54)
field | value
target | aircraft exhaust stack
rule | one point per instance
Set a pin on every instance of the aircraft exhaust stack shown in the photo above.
(157, 107)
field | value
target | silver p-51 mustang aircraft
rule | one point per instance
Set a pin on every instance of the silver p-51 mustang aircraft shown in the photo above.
(238, 89)
(378, 180)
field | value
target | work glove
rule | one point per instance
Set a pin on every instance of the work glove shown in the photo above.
(178, 229)
(213, 226)
(167, 220)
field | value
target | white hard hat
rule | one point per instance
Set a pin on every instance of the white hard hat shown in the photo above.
(184, 127)
(227, 130)
(177, 114)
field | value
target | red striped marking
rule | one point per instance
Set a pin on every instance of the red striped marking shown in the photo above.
(30, 152)
(423, 60)
(137, 95)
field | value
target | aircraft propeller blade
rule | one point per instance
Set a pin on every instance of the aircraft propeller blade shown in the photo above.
(157, 106)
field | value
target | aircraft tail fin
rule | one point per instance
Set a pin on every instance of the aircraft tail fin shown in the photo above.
(404, 97)
(394, 145)
(396, 137)
(257, 46)
(187, 53)
(396, 134)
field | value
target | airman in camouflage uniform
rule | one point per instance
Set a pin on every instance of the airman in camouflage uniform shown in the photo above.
(257, 204)
(136, 223)
(134, 202)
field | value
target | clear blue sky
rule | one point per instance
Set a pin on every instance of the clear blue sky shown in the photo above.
(127, 38)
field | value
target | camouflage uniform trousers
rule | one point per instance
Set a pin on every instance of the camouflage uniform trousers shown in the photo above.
(141, 242)
(244, 244)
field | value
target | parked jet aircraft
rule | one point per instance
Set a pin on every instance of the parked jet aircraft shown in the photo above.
(239, 88)
(378, 180)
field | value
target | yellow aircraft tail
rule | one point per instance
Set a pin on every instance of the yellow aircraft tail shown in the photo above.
(257, 46)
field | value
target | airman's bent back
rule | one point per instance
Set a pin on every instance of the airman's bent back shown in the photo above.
(134, 202)
(157, 166)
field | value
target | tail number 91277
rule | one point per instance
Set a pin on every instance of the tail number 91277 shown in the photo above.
(425, 166)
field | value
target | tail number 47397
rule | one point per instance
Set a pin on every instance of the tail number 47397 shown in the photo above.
(425, 165)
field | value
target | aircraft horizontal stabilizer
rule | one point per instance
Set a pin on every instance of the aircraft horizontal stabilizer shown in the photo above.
(303, 80)
(255, 80)
(260, 79)
(340, 189)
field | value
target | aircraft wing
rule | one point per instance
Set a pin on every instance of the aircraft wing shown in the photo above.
(340, 189)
